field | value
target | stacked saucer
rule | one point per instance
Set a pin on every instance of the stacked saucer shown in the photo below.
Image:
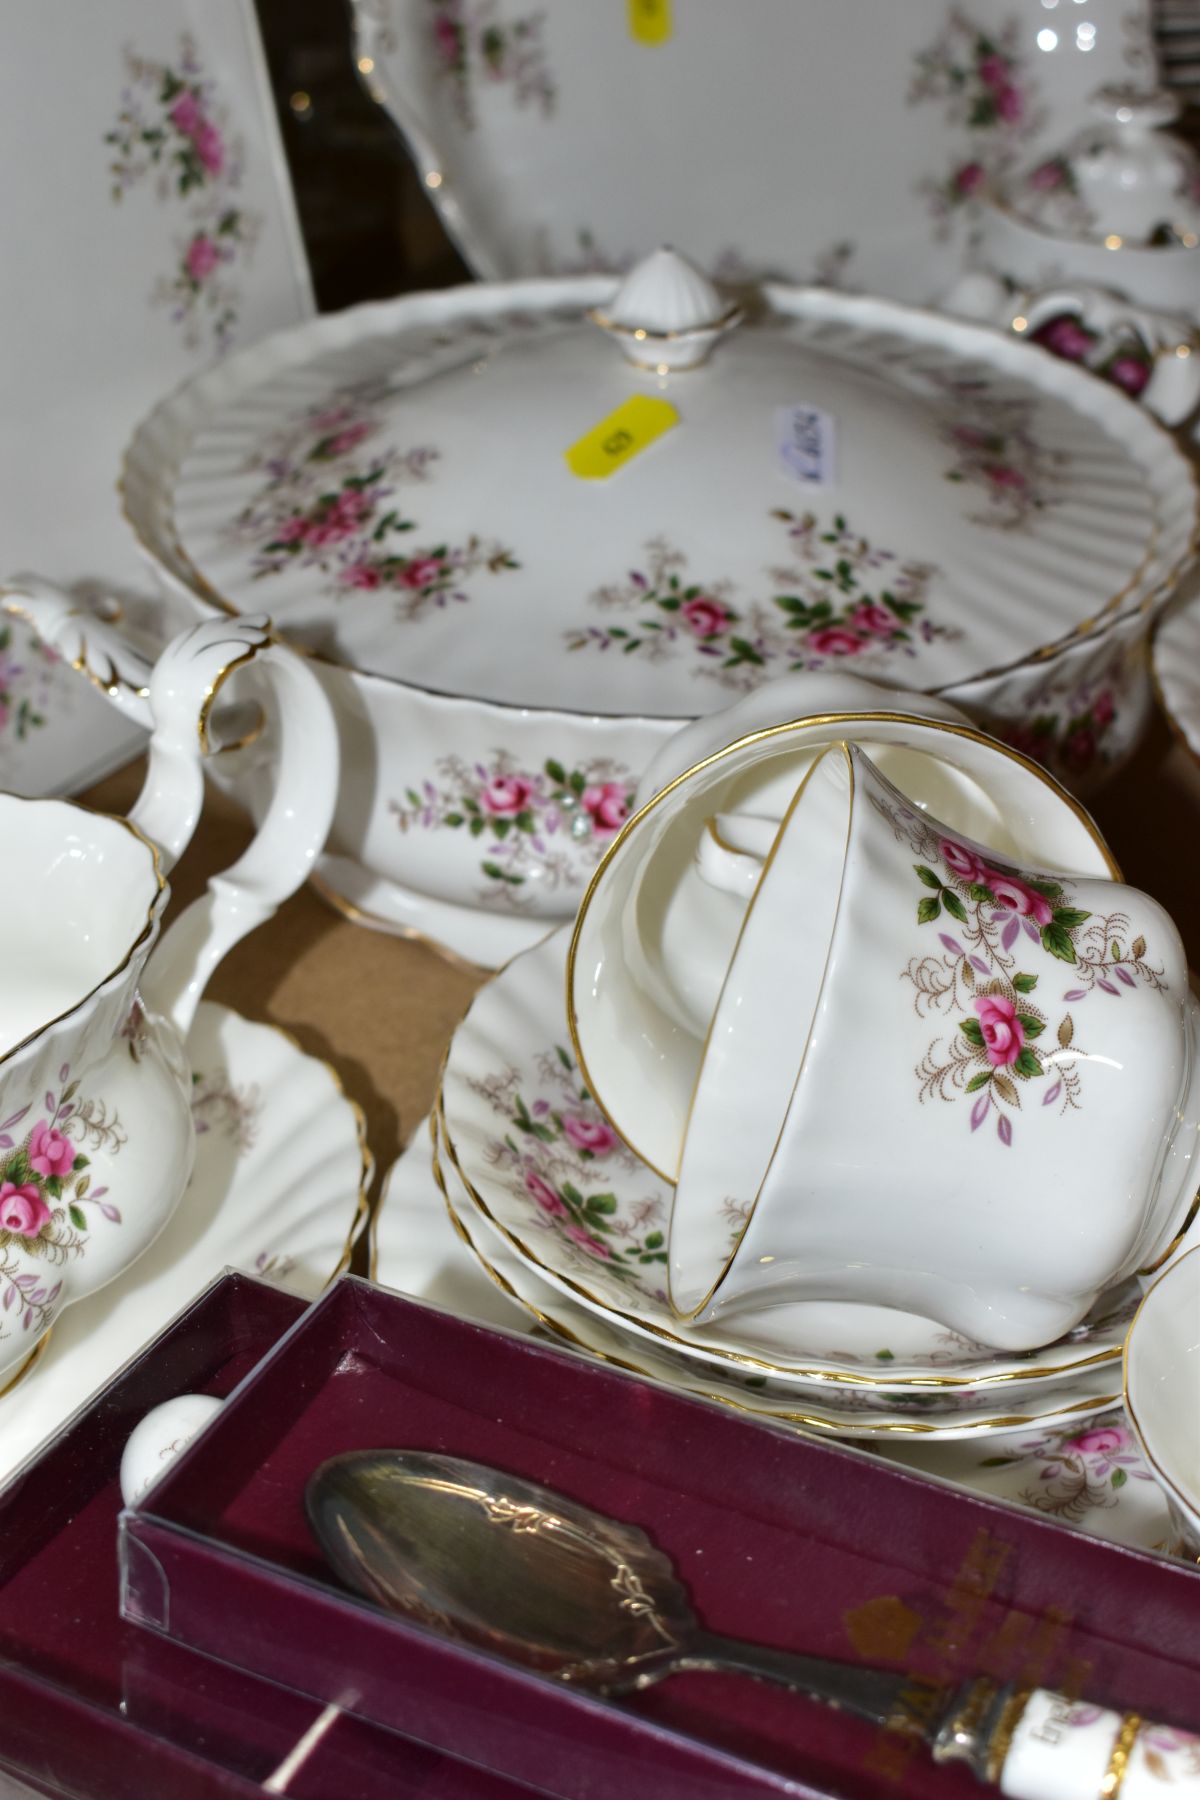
(568, 1219)
(838, 1317)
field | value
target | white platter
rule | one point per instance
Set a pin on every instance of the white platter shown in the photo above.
(794, 138)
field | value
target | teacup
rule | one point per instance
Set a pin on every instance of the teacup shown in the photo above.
(96, 1133)
(653, 939)
(933, 1079)
(1162, 1391)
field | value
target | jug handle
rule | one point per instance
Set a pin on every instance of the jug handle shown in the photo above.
(174, 700)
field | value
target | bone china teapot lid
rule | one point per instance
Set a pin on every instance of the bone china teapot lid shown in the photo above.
(628, 498)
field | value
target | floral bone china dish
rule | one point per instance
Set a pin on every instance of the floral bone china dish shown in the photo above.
(97, 1138)
(521, 557)
(1066, 1005)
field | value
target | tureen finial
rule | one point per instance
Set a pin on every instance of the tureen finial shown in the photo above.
(666, 314)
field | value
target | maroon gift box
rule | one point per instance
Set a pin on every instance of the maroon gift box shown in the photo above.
(780, 1540)
(94, 1709)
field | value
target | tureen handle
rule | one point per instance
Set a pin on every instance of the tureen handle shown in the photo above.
(1154, 356)
(175, 698)
(96, 650)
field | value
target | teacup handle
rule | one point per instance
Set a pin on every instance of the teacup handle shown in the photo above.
(732, 849)
(174, 699)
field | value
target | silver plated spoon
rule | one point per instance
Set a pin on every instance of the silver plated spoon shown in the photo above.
(517, 1569)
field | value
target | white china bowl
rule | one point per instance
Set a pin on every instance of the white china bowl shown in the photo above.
(490, 748)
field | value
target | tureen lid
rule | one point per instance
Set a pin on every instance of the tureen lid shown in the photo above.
(475, 492)
(1122, 181)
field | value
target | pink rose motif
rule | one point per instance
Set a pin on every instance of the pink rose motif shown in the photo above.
(340, 519)
(877, 621)
(1079, 750)
(22, 1209)
(1009, 104)
(545, 1196)
(968, 865)
(506, 795)
(607, 806)
(447, 38)
(969, 179)
(1047, 175)
(293, 529)
(50, 1153)
(210, 148)
(589, 1134)
(587, 1242)
(362, 575)
(346, 439)
(1065, 336)
(1129, 372)
(969, 436)
(1105, 1440)
(420, 571)
(202, 258)
(1003, 1032)
(835, 640)
(993, 71)
(1003, 475)
(185, 115)
(705, 616)
(1104, 709)
(1015, 897)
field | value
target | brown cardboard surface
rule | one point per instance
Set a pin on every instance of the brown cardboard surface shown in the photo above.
(382, 1009)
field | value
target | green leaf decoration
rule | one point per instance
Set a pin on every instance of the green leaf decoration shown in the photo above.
(954, 905)
(980, 894)
(77, 1216)
(928, 910)
(600, 1203)
(972, 1030)
(927, 876)
(1032, 1027)
(563, 1058)
(570, 1192)
(1024, 984)
(1070, 917)
(478, 827)
(1119, 1478)
(556, 772)
(1028, 1065)
(654, 1241)
(1049, 890)
(978, 1081)
(1057, 942)
(884, 1356)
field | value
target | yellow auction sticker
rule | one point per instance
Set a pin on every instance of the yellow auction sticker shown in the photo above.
(650, 20)
(635, 424)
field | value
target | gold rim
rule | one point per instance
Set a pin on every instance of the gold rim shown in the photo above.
(764, 735)
(144, 936)
(30, 1363)
(1000, 1742)
(1188, 1221)
(185, 571)
(686, 1314)
(1168, 1481)
(847, 1425)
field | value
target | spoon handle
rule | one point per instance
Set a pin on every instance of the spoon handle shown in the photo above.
(1031, 1744)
